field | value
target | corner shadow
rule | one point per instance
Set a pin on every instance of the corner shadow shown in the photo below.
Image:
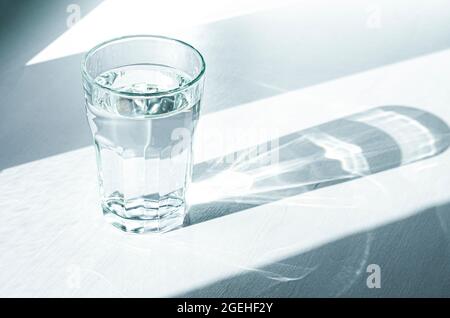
(412, 254)
(359, 145)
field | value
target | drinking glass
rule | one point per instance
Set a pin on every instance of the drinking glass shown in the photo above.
(142, 99)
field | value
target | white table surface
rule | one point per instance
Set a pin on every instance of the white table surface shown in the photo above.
(54, 241)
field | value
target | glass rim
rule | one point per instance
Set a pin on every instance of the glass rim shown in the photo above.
(181, 88)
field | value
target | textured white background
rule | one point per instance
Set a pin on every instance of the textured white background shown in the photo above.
(54, 241)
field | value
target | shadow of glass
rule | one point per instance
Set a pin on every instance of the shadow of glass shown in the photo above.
(359, 145)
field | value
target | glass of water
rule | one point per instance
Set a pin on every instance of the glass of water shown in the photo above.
(142, 98)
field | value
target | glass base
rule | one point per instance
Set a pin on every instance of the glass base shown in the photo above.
(153, 222)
